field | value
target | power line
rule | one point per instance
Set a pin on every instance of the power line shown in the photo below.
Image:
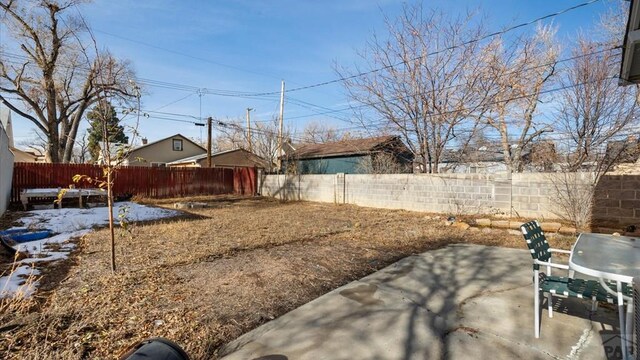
(449, 48)
(230, 93)
(453, 86)
(479, 39)
(329, 111)
(186, 55)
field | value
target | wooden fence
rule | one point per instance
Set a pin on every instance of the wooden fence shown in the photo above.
(154, 182)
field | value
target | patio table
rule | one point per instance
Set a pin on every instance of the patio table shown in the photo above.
(27, 194)
(613, 258)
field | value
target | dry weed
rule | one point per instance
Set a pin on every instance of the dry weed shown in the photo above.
(203, 281)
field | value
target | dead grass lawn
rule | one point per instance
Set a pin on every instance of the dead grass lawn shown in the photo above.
(205, 279)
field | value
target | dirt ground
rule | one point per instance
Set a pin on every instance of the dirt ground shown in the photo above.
(206, 278)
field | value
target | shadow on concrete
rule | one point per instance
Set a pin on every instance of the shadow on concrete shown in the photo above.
(458, 302)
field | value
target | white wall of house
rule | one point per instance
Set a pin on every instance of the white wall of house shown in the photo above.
(6, 170)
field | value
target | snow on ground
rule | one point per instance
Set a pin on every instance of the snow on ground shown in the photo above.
(67, 223)
(16, 284)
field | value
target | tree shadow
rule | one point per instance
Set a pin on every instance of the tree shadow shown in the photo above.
(441, 304)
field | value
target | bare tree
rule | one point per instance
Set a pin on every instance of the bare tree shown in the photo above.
(81, 153)
(516, 75)
(318, 133)
(593, 110)
(593, 117)
(55, 77)
(422, 82)
(264, 138)
(36, 144)
(382, 163)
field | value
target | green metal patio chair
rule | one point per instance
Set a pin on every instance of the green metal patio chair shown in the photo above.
(545, 283)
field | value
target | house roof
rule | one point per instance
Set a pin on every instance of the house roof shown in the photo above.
(483, 154)
(168, 137)
(242, 155)
(623, 151)
(346, 147)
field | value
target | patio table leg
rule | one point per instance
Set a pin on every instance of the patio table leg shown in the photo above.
(629, 327)
(621, 316)
(536, 304)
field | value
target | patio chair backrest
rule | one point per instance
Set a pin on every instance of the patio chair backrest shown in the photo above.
(536, 241)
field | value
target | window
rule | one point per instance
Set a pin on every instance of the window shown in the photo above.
(158, 164)
(177, 144)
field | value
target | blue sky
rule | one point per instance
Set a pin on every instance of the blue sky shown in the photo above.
(250, 45)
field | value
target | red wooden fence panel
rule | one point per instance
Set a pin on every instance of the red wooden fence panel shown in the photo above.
(245, 181)
(155, 182)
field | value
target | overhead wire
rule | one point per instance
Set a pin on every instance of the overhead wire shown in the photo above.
(449, 48)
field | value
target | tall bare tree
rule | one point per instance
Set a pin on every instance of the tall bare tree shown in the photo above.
(593, 110)
(264, 138)
(422, 81)
(81, 153)
(319, 133)
(54, 76)
(516, 76)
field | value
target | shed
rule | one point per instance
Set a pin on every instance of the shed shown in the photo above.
(383, 154)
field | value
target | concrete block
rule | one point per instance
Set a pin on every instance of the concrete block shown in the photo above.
(461, 225)
(550, 226)
(633, 183)
(500, 224)
(515, 225)
(630, 204)
(520, 198)
(619, 212)
(567, 230)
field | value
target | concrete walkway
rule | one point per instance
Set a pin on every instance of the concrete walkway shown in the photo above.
(459, 302)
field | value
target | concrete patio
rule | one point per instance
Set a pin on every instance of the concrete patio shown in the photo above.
(459, 302)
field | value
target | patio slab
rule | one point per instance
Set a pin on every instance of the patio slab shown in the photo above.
(459, 302)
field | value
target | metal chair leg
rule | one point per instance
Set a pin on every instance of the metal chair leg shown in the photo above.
(536, 304)
(550, 304)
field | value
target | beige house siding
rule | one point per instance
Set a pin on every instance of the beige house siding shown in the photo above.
(238, 158)
(163, 152)
(23, 156)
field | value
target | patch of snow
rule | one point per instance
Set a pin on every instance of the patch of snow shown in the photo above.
(71, 223)
(73, 219)
(14, 285)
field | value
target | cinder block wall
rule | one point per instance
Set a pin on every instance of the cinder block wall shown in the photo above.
(493, 194)
(528, 195)
(617, 201)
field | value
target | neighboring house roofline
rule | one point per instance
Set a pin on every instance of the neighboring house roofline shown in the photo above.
(363, 146)
(196, 158)
(166, 138)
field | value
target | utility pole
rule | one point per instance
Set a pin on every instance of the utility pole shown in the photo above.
(249, 130)
(209, 120)
(280, 132)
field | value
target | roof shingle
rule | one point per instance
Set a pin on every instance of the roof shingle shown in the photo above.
(344, 147)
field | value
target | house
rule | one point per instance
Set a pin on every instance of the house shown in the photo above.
(383, 154)
(6, 169)
(160, 152)
(225, 159)
(19, 155)
(490, 159)
(483, 160)
(625, 155)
